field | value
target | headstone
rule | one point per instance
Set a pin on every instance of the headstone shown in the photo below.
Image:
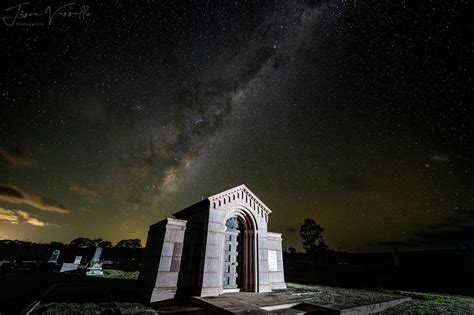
(71, 266)
(97, 254)
(77, 260)
(95, 268)
(68, 267)
(54, 256)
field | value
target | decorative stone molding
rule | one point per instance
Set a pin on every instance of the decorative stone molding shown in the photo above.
(243, 194)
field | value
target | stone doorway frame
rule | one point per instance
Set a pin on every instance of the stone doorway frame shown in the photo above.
(249, 246)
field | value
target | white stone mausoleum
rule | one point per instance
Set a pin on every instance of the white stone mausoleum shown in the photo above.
(218, 245)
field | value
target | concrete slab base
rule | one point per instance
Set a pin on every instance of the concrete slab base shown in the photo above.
(278, 303)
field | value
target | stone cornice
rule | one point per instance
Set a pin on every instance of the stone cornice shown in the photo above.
(253, 200)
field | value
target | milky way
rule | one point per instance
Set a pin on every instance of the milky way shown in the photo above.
(355, 114)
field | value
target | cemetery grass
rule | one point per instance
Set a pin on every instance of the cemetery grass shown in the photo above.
(432, 303)
(421, 303)
(120, 274)
(26, 287)
(93, 308)
(344, 297)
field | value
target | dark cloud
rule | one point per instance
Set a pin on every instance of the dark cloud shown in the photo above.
(457, 228)
(13, 157)
(393, 244)
(14, 195)
(453, 230)
(10, 193)
(88, 194)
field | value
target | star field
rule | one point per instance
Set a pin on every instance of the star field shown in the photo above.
(357, 114)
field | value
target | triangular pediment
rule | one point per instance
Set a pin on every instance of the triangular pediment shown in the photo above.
(241, 189)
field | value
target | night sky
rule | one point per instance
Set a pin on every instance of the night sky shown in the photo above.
(356, 114)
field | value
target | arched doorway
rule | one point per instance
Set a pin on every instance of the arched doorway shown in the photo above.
(240, 252)
(233, 251)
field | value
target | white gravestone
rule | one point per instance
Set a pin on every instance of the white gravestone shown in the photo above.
(97, 254)
(71, 266)
(54, 256)
(95, 268)
(68, 267)
(77, 260)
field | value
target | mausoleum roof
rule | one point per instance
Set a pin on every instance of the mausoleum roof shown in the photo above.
(244, 189)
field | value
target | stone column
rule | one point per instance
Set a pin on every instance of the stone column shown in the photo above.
(212, 276)
(262, 245)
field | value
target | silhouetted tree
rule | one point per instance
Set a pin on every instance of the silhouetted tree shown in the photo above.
(104, 244)
(131, 243)
(291, 250)
(82, 242)
(56, 244)
(311, 233)
(97, 241)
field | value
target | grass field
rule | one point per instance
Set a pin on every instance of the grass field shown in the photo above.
(429, 303)
(421, 303)
(93, 308)
(120, 274)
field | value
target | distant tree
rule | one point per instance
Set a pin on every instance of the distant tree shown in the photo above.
(56, 244)
(131, 243)
(311, 233)
(82, 242)
(104, 244)
(97, 241)
(291, 250)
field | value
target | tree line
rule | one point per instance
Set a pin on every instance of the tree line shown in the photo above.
(84, 242)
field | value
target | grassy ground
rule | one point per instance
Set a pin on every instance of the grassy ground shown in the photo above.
(93, 308)
(429, 303)
(422, 303)
(341, 297)
(120, 274)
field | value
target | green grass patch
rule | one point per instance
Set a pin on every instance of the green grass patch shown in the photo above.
(432, 303)
(343, 298)
(120, 274)
(421, 303)
(92, 308)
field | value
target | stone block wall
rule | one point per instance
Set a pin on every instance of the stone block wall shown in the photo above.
(162, 259)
